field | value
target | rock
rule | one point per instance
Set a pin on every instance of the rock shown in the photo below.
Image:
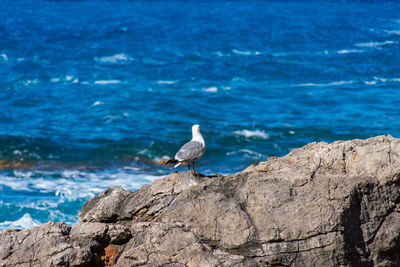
(8, 165)
(118, 234)
(47, 245)
(111, 253)
(105, 207)
(321, 205)
(96, 231)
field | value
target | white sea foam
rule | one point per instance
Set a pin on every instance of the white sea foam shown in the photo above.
(247, 152)
(25, 221)
(104, 82)
(279, 54)
(381, 80)
(395, 32)
(348, 51)
(218, 53)
(166, 82)
(3, 57)
(277, 147)
(19, 152)
(60, 187)
(111, 118)
(246, 53)
(37, 205)
(375, 44)
(97, 103)
(74, 184)
(211, 89)
(15, 184)
(55, 80)
(238, 79)
(370, 82)
(131, 168)
(249, 134)
(325, 84)
(29, 82)
(114, 59)
(165, 157)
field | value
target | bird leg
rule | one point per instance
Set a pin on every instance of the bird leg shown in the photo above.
(195, 172)
(189, 165)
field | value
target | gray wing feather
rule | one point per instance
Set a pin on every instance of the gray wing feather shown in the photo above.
(190, 151)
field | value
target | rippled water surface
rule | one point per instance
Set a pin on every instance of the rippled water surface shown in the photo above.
(93, 93)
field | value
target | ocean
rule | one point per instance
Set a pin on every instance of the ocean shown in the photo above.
(94, 93)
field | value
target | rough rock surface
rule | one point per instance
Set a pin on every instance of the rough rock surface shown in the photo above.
(321, 205)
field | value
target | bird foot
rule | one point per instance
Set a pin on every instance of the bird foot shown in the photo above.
(195, 173)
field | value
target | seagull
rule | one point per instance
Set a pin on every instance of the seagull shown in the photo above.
(193, 150)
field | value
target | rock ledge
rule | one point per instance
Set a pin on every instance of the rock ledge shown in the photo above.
(321, 205)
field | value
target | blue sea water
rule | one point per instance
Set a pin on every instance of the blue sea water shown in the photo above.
(92, 93)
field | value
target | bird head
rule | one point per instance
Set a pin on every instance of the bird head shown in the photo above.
(196, 134)
(196, 128)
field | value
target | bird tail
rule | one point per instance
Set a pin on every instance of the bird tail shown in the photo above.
(171, 162)
(179, 163)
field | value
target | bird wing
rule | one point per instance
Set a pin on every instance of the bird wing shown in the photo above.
(190, 151)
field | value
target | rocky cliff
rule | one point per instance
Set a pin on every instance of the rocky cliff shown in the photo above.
(321, 205)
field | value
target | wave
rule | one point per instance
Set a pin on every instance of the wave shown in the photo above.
(58, 195)
(256, 133)
(121, 58)
(375, 44)
(67, 78)
(26, 221)
(348, 51)
(104, 82)
(247, 152)
(158, 159)
(28, 82)
(370, 82)
(211, 89)
(75, 184)
(381, 80)
(166, 82)
(97, 103)
(394, 32)
(219, 54)
(246, 53)
(72, 79)
(325, 84)
(3, 57)
(238, 79)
